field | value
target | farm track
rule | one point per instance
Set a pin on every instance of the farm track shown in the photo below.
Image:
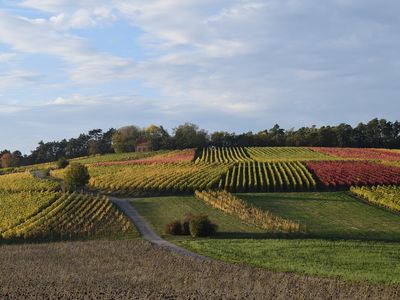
(147, 232)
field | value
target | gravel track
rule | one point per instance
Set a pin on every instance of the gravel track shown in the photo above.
(147, 232)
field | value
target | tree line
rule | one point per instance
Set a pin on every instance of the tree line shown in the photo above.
(377, 133)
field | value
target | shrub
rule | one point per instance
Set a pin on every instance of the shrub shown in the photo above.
(200, 226)
(174, 228)
(186, 223)
(76, 176)
(62, 163)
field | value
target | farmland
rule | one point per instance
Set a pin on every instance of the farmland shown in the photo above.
(336, 222)
(262, 154)
(259, 176)
(138, 269)
(347, 173)
(156, 178)
(365, 154)
(284, 209)
(385, 196)
(36, 209)
(240, 169)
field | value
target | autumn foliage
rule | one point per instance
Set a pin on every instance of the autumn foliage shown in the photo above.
(346, 173)
(359, 153)
(173, 157)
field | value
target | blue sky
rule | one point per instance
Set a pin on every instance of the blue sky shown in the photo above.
(68, 66)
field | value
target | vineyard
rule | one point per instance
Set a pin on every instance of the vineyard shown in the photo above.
(243, 169)
(33, 208)
(169, 157)
(355, 153)
(263, 177)
(286, 153)
(117, 157)
(157, 178)
(70, 216)
(223, 155)
(341, 174)
(249, 213)
(261, 154)
(385, 196)
(19, 182)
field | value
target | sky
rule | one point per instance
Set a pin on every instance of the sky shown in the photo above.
(68, 66)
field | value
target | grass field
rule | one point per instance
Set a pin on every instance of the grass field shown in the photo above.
(348, 260)
(161, 210)
(329, 215)
(334, 215)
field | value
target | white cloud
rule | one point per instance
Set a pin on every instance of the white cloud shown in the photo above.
(75, 100)
(34, 37)
(13, 78)
(10, 109)
(6, 57)
(287, 59)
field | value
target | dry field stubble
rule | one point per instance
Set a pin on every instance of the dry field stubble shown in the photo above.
(138, 270)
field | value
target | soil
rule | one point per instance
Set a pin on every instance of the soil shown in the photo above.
(137, 269)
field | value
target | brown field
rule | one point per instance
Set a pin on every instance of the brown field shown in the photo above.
(139, 270)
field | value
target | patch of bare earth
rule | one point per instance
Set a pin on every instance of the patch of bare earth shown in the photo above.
(139, 270)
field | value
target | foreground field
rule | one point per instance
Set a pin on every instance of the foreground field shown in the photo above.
(349, 260)
(129, 270)
(328, 216)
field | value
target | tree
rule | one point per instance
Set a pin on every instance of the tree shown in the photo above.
(189, 135)
(158, 137)
(17, 158)
(221, 139)
(125, 139)
(6, 160)
(76, 176)
(276, 136)
(62, 163)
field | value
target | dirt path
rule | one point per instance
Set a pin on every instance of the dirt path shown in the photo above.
(39, 174)
(147, 232)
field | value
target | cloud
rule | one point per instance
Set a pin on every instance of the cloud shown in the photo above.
(17, 77)
(239, 63)
(35, 37)
(6, 57)
(10, 109)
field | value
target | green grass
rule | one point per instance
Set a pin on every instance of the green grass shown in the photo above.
(329, 215)
(335, 215)
(349, 260)
(161, 210)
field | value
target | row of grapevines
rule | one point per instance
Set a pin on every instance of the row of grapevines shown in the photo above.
(223, 155)
(155, 179)
(19, 182)
(70, 216)
(263, 177)
(385, 196)
(285, 154)
(232, 205)
(16, 207)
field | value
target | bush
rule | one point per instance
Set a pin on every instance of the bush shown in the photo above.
(62, 163)
(174, 228)
(186, 223)
(200, 226)
(76, 176)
